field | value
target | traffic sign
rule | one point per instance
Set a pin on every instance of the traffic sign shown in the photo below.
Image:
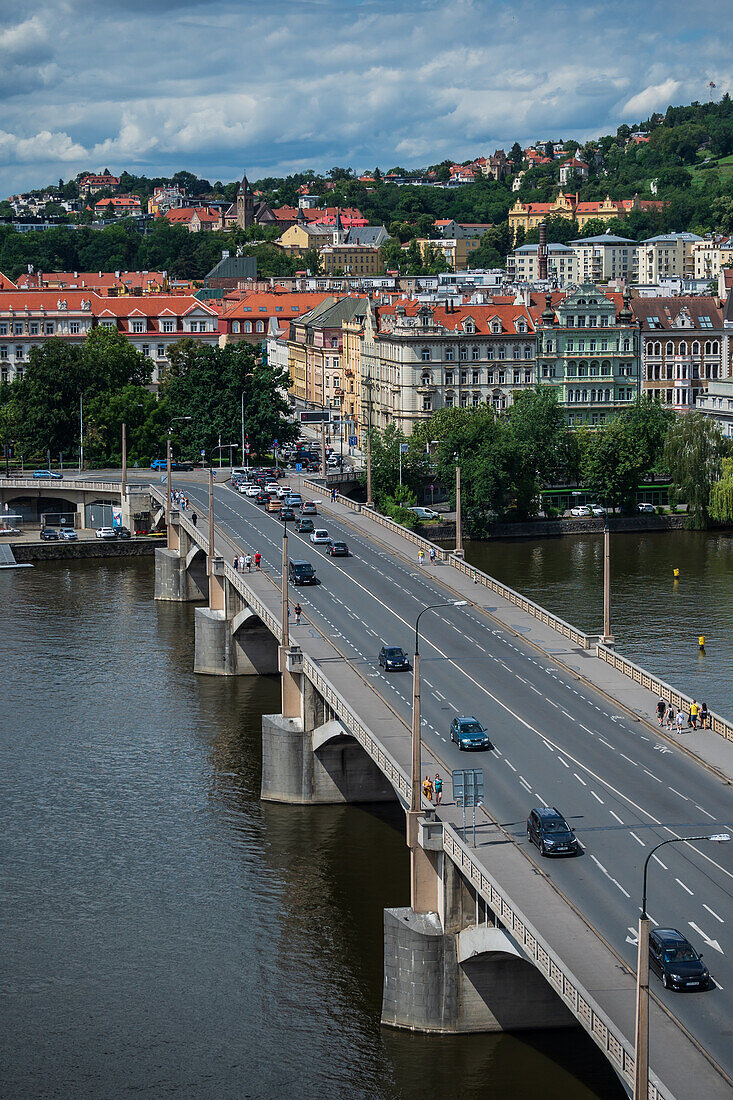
(468, 790)
(298, 467)
(404, 448)
(203, 454)
(353, 441)
(275, 444)
(316, 416)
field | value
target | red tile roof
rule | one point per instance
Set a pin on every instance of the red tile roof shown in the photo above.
(506, 311)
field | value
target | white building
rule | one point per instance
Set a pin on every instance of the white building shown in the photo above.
(710, 256)
(667, 255)
(717, 403)
(606, 257)
(522, 265)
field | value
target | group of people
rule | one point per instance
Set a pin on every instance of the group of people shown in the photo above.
(179, 498)
(334, 495)
(698, 717)
(243, 562)
(432, 787)
(421, 556)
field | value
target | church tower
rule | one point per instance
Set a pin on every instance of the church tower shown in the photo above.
(245, 204)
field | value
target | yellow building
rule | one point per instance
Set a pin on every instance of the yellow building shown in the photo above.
(528, 215)
(353, 333)
(351, 259)
(455, 249)
(300, 238)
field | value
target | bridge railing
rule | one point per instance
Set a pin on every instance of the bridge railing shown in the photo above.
(61, 483)
(661, 688)
(316, 487)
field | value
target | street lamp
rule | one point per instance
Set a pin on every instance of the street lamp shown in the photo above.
(368, 388)
(641, 1050)
(284, 594)
(415, 801)
(459, 532)
(168, 469)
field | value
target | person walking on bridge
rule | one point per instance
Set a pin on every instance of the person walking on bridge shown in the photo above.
(427, 788)
(235, 563)
(194, 518)
(298, 613)
(661, 708)
(420, 556)
(438, 787)
(248, 562)
(694, 713)
(258, 559)
(242, 562)
(704, 717)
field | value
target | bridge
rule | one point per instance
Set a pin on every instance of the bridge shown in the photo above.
(495, 938)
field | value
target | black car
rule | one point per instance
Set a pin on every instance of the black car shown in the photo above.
(49, 534)
(261, 498)
(392, 658)
(676, 961)
(287, 513)
(548, 829)
(123, 533)
(306, 527)
(301, 572)
(468, 733)
(338, 550)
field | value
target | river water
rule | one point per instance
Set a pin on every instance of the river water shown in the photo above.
(656, 619)
(163, 931)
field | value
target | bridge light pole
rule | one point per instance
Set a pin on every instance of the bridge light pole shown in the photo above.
(608, 638)
(285, 626)
(210, 558)
(368, 388)
(416, 764)
(459, 531)
(641, 1047)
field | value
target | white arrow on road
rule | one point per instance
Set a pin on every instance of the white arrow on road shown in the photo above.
(708, 941)
(634, 937)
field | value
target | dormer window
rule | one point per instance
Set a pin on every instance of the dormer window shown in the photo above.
(521, 326)
(496, 327)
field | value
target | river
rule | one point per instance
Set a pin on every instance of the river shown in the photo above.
(164, 932)
(655, 619)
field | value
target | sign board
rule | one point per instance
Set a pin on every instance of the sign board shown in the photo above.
(404, 448)
(298, 467)
(468, 787)
(353, 441)
(275, 444)
(317, 416)
(203, 454)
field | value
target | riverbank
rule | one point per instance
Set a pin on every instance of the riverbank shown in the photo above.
(553, 528)
(28, 550)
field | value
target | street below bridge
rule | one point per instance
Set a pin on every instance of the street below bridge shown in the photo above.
(556, 741)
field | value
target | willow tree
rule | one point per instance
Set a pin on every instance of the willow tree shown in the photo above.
(694, 453)
(721, 495)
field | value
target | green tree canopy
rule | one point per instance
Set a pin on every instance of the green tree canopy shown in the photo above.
(694, 452)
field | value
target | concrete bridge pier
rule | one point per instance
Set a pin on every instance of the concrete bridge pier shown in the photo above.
(455, 969)
(308, 757)
(230, 639)
(180, 567)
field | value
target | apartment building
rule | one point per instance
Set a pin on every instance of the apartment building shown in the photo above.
(684, 347)
(711, 255)
(665, 256)
(315, 362)
(528, 215)
(260, 313)
(351, 259)
(522, 265)
(605, 257)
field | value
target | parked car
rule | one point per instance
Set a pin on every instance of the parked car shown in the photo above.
(338, 549)
(646, 509)
(598, 510)
(321, 536)
(548, 829)
(675, 960)
(68, 534)
(159, 464)
(581, 510)
(301, 572)
(392, 658)
(52, 474)
(468, 733)
(49, 534)
(106, 533)
(123, 533)
(308, 508)
(286, 513)
(425, 513)
(305, 527)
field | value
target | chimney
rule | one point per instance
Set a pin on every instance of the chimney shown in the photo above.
(542, 253)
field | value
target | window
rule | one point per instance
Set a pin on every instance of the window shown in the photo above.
(3, 328)
(4, 351)
(502, 353)
(160, 351)
(139, 326)
(449, 378)
(464, 354)
(18, 351)
(516, 377)
(502, 377)
(425, 380)
(496, 327)
(604, 321)
(17, 329)
(145, 349)
(464, 377)
(235, 326)
(705, 321)
(527, 352)
(33, 328)
(475, 377)
(260, 326)
(476, 400)
(74, 328)
(450, 354)
(490, 352)
(427, 404)
(695, 348)
(425, 355)
(474, 354)
(517, 353)
(527, 377)
(263, 309)
(247, 326)
(669, 348)
(169, 326)
(626, 345)
(683, 347)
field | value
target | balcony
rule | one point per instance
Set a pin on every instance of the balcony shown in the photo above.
(427, 389)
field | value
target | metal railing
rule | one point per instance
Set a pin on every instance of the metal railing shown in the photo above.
(60, 483)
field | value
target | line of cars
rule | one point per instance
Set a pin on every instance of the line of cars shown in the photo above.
(588, 510)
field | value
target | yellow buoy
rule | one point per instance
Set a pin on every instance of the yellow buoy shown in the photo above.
(701, 641)
(676, 573)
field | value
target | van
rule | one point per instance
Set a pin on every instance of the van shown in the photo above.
(301, 572)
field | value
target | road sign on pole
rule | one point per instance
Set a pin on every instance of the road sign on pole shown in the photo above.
(298, 467)
(468, 790)
(353, 441)
(316, 416)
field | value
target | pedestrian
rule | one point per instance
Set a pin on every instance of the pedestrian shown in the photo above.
(680, 721)
(670, 718)
(194, 518)
(427, 788)
(420, 556)
(235, 563)
(258, 559)
(438, 785)
(694, 712)
(248, 562)
(242, 562)
(661, 708)
(704, 717)
(298, 613)
(432, 555)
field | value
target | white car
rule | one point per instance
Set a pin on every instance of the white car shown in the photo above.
(106, 533)
(271, 487)
(321, 536)
(252, 491)
(598, 510)
(283, 491)
(425, 513)
(647, 509)
(581, 510)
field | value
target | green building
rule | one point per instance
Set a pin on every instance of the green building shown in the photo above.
(588, 348)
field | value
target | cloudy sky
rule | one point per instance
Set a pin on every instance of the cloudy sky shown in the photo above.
(220, 86)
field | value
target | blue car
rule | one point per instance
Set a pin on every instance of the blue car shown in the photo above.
(48, 474)
(159, 464)
(468, 733)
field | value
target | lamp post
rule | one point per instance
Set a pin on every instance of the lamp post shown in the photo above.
(285, 626)
(459, 532)
(123, 487)
(608, 638)
(168, 464)
(81, 432)
(641, 1048)
(368, 387)
(416, 764)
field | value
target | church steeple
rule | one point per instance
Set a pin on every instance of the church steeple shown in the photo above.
(245, 204)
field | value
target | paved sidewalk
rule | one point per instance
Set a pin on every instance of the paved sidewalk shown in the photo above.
(710, 748)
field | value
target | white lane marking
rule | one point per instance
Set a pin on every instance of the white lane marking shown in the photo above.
(652, 775)
(637, 838)
(711, 943)
(628, 758)
(587, 730)
(704, 811)
(687, 888)
(439, 696)
(597, 798)
(713, 913)
(564, 762)
(525, 784)
(616, 816)
(662, 865)
(555, 705)
(599, 864)
(534, 689)
(610, 877)
(579, 779)
(672, 789)
(509, 764)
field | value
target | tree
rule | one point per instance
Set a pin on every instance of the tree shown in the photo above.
(516, 155)
(611, 465)
(46, 399)
(694, 452)
(721, 494)
(538, 425)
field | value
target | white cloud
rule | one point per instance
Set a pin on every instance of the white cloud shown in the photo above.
(654, 98)
(46, 147)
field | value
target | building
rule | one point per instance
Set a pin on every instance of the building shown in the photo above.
(300, 238)
(495, 167)
(522, 265)
(231, 271)
(588, 348)
(667, 255)
(196, 219)
(260, 313)
(717, 403)
(166, 198)
(315, 344)
(111, 283)
(374, 235)
(456, 250)
(605, 257)
(351, 259)
(710, 256)
(527, 215)
(92, 185)
(119, 206)
(684, 347)
(151, 323)
(572, 169)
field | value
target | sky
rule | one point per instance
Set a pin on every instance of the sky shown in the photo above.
(219, 87)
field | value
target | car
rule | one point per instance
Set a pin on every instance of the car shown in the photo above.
(308, 508)
(251, 490)
(159, 464)
(301, 572)
(338, 549)
(295, 500)
(52, 474)
(392, 658)
(644, 507)
(597, 510)
(49, 534)
(261, 498)
(286, 513)
(123, 533)
(68, 534)
(581, 510)
(184, 467)
(305, 527)
(273, 504)
(675, 960)
(468, 733)
(425, 513)
(283, 491)
(548, 829)
(321, 536)
(106, 533)
(270, 487)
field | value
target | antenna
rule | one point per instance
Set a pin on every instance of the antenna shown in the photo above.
(711, 86)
